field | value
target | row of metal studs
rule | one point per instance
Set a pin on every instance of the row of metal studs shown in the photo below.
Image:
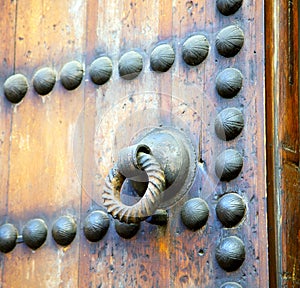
(34, 232)
(231, 208)
(162, 58)
(194, 51)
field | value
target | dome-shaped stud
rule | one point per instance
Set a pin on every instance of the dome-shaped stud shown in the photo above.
(44, 81)
(126, 230)
(195, 50)
(231, 285)
(229, 7)
(162, 58)
(130, 65)
(229, 123)
(71, 75)
(228, 165)
(35, 233)
(8, 237)
(15, 88)
(101, 70)
(231, 209)
(229, 41)
(194, 213)
(96, 225)
(229, 82)
(230, 253)
(64, 230)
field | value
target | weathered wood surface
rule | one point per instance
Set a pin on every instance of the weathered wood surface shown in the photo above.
(7, 48)
(282, 86)
(57, 152)
(40, 184)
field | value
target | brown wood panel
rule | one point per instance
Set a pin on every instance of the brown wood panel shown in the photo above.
(179, 246)
(282, 106)
(290, 226)
(111, 120)
(254, 272)
(43, 180)
(63, 147)
(7, 55)
(188, 268)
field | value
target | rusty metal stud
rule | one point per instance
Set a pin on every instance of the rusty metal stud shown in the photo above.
(35, 233)
(44, 80)
(231, 209)
(8, 237)
(229, 7)
(195, 49)
(96, 225)
(230, 41)
(101, 70)
(230, 253)
(229, 82)
(229, 123)
(162, 58)
(228, 165)
(15, 88)
(130, 65)
(194, 213)
(71, 75)
(64, 230)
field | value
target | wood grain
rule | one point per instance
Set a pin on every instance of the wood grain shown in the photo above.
(62, 147)
(197, 253)
(43, 180)
(142, 261)
(7, 55)
(282, 88)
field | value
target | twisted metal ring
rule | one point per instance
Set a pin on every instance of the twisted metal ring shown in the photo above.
(147, 205)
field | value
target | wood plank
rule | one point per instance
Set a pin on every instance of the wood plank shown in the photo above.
(290, 225)
(113, 114)
(188, 269)
(250, 184)
(282, 108)
(7, 51)
(77, 134)
(43, 178)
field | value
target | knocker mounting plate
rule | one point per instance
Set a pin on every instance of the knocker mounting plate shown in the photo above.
(162, 158)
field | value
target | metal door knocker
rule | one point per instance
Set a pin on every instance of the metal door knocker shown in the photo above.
(164, 159)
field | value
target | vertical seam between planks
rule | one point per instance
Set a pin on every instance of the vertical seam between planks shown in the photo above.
(83, 142)
(12, 108)
(275, 94)
(10, 130)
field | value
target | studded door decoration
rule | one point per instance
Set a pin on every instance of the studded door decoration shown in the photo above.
(182, 85)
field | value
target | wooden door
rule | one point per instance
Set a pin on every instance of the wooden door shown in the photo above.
(56, 150)
(283, 137)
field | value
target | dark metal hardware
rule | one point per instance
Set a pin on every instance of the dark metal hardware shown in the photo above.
(64, 230)
(194, 213)
(165, 159)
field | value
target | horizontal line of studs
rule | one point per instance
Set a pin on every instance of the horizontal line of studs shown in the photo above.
(195, 49)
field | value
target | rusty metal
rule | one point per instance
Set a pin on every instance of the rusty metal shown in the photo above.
(8, 237)
(147, 204)
(159, 218)
(194, 213)
(164, 159)
(96, 225)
